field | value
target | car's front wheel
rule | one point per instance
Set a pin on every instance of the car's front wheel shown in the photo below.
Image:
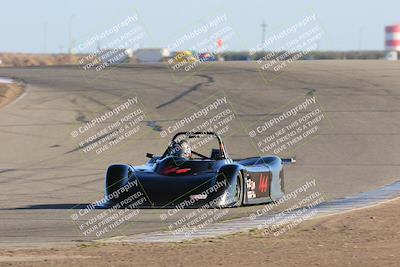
(239, 191)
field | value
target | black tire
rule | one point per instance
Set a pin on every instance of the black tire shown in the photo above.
(239, 190)
(116, 177)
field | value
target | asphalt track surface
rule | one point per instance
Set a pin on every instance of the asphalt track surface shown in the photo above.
(43, 174)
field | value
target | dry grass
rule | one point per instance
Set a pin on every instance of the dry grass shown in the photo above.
(26, 60)
(9, 92)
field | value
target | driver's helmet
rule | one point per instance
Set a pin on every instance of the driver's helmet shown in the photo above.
(181, 149)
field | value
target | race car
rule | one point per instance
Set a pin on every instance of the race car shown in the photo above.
(184, 178)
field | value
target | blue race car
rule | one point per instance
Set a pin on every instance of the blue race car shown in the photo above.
(187, 179)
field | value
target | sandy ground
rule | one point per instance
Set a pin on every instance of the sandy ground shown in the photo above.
(9, 92)
(366, 237)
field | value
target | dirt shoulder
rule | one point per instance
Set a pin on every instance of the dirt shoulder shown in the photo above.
(366, 237)
(9, 92)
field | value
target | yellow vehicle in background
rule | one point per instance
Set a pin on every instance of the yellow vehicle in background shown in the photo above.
(185, 56)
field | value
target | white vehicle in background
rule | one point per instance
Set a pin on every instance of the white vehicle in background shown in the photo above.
(151, 55)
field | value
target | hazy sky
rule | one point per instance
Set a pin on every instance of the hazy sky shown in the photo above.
(43, 25)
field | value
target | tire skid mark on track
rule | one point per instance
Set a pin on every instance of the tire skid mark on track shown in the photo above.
(193, 88)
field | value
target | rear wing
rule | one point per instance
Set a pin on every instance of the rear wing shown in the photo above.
(291, 160)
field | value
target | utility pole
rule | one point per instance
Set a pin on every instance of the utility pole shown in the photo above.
(70, 40)
(360, 37)
(360, 41)
(263, 27)
(45, 37)
(98, 45)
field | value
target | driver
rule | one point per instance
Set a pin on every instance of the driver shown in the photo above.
(181, 150)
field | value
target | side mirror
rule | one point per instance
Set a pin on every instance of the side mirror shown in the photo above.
(149, 155)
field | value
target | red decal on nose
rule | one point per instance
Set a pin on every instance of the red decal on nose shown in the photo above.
(263, 184)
